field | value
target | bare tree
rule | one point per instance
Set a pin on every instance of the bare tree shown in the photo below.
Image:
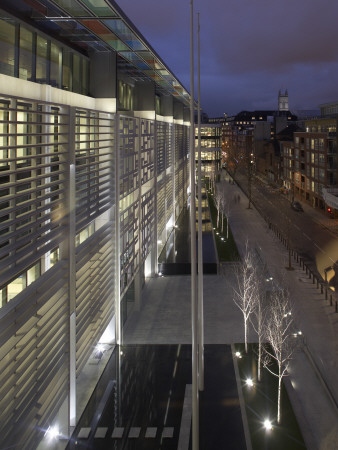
(245, 291)
(218, 201)
(225, 208)
(212, 178)
(279, 336)
(259, 320)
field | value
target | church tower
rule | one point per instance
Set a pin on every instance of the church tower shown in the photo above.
(283, 101)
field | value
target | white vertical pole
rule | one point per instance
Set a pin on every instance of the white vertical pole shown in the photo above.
(195, 402)
(118, 326)
(72, 270)
(200, 245)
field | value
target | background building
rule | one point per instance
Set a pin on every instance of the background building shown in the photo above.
(310, 163)
(93, 175)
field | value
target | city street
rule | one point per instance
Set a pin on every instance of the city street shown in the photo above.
(310, 232)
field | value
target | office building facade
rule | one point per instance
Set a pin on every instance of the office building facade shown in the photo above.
(94, 142)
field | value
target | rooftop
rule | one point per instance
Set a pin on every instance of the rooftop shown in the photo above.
(99, 26)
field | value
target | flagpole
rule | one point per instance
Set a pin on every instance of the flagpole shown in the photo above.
(199, 240)
(194, 312)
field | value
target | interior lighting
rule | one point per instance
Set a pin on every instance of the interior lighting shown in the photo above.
(267, 425)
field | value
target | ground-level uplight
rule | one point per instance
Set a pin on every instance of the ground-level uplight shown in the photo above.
(267, 424)
(238, 355)
(249, 382)
(52, 432)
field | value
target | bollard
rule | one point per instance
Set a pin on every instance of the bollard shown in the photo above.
(317, 283)
(325, 293)
(330, 299)
(321, 288)
(336, 306)
(313, 278)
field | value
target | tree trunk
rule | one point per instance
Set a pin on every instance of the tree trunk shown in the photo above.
(227, 228)
(245, 336)
(259, 359)
(279, 394)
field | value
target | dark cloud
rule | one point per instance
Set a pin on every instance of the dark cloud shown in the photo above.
(249, 49)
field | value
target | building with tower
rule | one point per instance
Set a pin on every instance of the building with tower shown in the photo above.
(283, 101)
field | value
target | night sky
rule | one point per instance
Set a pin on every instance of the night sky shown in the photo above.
(249, 49)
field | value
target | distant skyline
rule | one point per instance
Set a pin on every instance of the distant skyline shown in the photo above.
(249, 50)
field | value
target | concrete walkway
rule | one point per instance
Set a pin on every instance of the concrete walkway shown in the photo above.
(165, 318)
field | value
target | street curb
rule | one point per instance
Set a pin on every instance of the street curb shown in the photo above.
(321, 378)
(304, 426)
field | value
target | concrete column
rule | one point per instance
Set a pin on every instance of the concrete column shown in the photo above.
(167, 106)
(145, 96)
(178, 111)
(103, 80)
(154, 252)
(138, 277)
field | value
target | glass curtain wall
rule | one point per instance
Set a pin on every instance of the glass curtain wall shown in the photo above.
(27, 55)
(7, 47)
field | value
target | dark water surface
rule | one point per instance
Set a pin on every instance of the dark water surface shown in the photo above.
(142, 390)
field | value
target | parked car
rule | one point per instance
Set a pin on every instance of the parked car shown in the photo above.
(296, 206)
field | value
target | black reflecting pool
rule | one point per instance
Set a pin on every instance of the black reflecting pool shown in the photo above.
(175, 256)
(138, 402)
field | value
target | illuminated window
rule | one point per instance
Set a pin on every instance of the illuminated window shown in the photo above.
(41, 59)
(15, 287)
(33, 273)
(67, 67)
(84, 234)
(7, 47)
(125, 96)
(54, 257)
(55, 65)
(26, 54)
